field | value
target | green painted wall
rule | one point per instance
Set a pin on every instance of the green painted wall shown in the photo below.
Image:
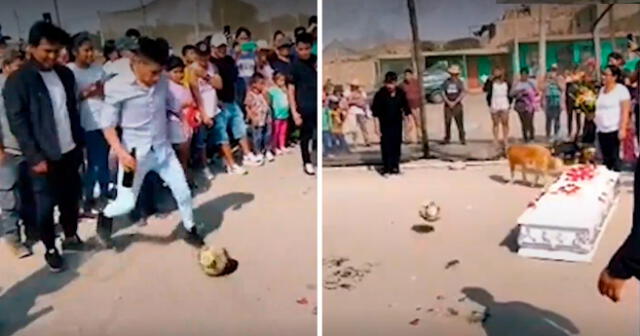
(564, 53)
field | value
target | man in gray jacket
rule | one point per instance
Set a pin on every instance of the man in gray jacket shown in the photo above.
(16, 198)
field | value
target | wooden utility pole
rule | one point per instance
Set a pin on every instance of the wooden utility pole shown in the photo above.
(196, 20)
(413, 19)
(612, 30)
(15, 15)
(596, 44)
(542, 44)
(144, 16)
(55, 7)
(516, 52)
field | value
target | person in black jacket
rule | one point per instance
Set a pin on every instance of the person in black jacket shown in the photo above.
(43, 115)
(625, 263)
(499, 101)
(390, 106)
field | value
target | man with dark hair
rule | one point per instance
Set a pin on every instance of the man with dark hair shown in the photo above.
(132, 33)
(43, 115)
(390, 106)
(281, 63)
(138, 102)
(189, 54)
(412, 89)
(302, 95)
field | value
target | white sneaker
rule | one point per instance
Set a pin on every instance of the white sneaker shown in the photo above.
(308, 169)
(207, 174)
(259, 157)
(278, 152)
(251, 160)
(236, 170)
(270, 156)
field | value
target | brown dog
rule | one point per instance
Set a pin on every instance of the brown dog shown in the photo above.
(533, 159)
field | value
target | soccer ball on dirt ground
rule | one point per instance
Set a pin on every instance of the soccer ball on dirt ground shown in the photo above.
(430, 211)
(213, 261)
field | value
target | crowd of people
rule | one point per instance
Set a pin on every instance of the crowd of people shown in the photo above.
(597, 113)
(81, 134)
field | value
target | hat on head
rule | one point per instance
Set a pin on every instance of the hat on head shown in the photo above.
(202, 48)
(284, 42)
(126, 43)
(454, 69)
(218, 40)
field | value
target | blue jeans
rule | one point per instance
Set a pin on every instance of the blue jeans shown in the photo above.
(97, 164)
(261, 138)
(230, 119)
(340, 144)
(327, 142)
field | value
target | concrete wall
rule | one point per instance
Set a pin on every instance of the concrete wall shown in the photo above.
(343, 72)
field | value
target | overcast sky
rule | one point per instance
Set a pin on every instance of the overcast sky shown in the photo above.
(77, 15)
(383, 19)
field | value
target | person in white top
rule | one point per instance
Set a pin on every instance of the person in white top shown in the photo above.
(612, 116)
(497, 89)
(89, 84)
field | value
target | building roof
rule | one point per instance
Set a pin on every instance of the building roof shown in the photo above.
(461, 52)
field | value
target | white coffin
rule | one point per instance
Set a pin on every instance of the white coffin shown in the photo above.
(568, 226)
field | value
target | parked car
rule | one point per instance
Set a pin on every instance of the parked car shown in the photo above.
(432, 80)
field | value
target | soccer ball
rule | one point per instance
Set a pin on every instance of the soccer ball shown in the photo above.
(430, 211)
(213, 261)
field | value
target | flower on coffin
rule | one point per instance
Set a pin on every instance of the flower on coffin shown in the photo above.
(569, 189)
(583, 173)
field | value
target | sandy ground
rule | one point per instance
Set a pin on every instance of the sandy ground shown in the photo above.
(370, 220)
(152, 284)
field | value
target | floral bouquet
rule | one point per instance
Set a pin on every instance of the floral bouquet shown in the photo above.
(586, 101)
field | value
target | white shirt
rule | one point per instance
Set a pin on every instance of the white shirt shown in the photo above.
(141, 112)
(608, 108)
(60, 112)
(119, 66)
(208, 93)
(500, 96)
(89, 108)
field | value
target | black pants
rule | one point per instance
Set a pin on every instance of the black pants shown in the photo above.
(451, 113)
(610, 147)
(528, 129)
(61, 186)
(307, 134)
(589, 132)
(390, 144)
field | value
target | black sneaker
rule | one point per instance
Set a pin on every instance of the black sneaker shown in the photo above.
(73, 244)
(54, 260)
(191, 237)
(103, 231)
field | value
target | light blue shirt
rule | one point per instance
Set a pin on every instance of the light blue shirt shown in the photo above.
(142, 113)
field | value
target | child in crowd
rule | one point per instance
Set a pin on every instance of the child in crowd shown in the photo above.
(279, 103)
(180, 132)
(327, 138)
(338, 117)
(259, 116)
